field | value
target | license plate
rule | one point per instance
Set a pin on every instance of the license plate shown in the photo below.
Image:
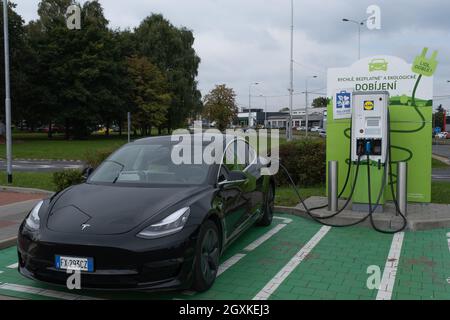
(74, 263)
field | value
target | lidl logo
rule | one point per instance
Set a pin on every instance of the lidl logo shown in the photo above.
(369, 105)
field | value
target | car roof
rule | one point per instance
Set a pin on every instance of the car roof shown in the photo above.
(168, 138)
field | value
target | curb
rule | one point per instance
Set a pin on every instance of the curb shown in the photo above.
(441, 158)
(25, 190)
(382, 222)
(4, 244)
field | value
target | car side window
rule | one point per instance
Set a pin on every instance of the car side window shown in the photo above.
(239, 155)
(233, 157)
(251, 155)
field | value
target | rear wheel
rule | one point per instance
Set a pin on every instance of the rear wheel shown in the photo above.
(207, 257)
(267, 217)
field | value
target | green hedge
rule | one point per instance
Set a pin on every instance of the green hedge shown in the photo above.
(93, 158)
(305, 160)
(67, 178)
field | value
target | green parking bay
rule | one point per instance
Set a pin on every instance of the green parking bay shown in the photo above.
(294, 259)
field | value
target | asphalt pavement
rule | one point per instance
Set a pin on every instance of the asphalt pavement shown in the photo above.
(42, 165)
(441, 174)
(442, 150)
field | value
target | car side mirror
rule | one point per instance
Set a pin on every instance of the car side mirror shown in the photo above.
(87, 172)
(234, 177)
(237, 176)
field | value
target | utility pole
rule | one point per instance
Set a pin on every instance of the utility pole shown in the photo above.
(306, 104)
(129, 126)
(250, 100)
(7, 95)
(291, 89)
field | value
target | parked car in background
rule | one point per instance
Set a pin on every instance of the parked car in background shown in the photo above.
(55, 129)
(315, 129)
(443, 135)
(322, 133)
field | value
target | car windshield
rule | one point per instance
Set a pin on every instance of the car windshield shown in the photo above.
(148, 164)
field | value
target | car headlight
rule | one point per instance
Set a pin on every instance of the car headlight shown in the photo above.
(33, 220)
(170, 225)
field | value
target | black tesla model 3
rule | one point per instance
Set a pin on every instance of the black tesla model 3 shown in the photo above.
(142, 222)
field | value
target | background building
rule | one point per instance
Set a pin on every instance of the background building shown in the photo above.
(316, 118)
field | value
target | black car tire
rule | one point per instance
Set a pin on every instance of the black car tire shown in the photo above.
(266, 219)
(206, 257)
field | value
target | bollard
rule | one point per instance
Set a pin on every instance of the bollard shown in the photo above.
(333, 186)
(402, 187)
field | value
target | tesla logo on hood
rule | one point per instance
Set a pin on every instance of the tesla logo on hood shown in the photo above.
(84, 226)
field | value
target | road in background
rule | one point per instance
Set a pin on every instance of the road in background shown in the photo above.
(442, 150)
(42, 165)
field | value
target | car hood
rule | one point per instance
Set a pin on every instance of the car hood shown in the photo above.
(108, 210)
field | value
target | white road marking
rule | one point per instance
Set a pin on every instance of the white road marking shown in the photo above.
(237, 257)
(44, 292)
(276, 281)
(13, 266)
(229, 263)
(255, 244)
(390, 269)
(285, 220)
(448, 240)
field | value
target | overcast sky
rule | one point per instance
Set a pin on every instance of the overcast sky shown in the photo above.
(244, 41)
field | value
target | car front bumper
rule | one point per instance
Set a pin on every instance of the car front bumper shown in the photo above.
(160, 264)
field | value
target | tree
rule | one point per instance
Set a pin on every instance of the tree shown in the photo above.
(83, 70)
(150, 94)
(439, 117)
(285, 109)
(320, 102)
(19, 62)
(220, 106)
(171, 49)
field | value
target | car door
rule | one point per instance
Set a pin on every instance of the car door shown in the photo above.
(239, 198)
(255, 188)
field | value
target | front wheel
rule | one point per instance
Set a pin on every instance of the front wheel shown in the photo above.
(267, 217)
(207, 257)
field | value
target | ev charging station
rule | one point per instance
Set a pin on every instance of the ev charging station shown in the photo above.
(369, 144)
(379, 125)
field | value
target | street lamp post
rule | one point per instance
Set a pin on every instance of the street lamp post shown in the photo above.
(291, 77)
(7, 95)
(250, 100)
(359, 24)
(265, 110)
(306, 103)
